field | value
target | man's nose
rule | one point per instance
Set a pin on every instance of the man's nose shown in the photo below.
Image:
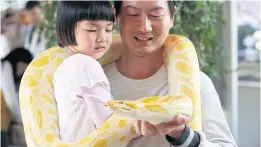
(145, 24)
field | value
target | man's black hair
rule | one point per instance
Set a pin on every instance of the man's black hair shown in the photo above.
(171, 4)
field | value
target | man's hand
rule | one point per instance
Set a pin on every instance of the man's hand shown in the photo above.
(174, 128)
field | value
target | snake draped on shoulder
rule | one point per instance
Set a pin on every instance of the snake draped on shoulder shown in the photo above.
(39, 110)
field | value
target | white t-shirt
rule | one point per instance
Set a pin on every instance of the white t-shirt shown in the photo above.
(81, 89)
(216, 132)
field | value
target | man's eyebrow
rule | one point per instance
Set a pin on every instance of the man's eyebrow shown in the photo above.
(95, 24)
(132, 7)
(157, 8)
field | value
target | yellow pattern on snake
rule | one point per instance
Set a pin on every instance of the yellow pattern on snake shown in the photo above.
(39, 109)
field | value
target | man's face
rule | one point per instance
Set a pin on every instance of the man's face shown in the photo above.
(144, 25)
(34, 15)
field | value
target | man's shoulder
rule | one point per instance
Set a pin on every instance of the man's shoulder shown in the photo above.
(206, 84)
(204, 77)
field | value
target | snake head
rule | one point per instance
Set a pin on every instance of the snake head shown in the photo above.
(123, 106)
(139, 110)
(153, 109)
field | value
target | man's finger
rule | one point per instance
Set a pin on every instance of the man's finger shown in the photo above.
(147, 129)
(161, 128)
(178, 120)
(137, 127)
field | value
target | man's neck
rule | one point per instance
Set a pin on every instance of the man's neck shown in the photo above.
(135, 67)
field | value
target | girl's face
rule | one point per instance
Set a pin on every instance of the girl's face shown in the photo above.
(93, 37)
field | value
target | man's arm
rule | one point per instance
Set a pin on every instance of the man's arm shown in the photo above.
(188, 138)
(216, 132)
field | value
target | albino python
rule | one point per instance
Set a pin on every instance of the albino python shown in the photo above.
(39, 110)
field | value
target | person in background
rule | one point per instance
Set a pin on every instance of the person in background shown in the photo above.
(18, 26)
(12, 70)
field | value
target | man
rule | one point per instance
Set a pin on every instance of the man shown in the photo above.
(144, 26)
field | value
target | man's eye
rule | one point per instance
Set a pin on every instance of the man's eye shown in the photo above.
(133, 14)
(108, 30)
(156, 16)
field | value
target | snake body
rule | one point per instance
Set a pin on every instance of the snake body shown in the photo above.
(39, 110)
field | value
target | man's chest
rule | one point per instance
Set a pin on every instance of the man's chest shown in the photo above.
(124, 90)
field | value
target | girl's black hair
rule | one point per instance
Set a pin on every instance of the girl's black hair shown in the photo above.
(70, 12)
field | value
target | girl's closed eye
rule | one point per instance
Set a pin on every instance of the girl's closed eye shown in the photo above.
(91, 30)
(109, 28)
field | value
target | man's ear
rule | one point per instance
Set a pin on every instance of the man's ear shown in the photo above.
(175, 10)
(172, 17)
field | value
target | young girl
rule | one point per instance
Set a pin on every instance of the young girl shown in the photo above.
(84, 28)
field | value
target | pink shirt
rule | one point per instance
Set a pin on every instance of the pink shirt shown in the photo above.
(81, 89)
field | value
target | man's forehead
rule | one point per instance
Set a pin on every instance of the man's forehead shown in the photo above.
(153, 4)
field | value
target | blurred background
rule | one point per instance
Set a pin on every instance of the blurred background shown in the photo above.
(222, 32)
